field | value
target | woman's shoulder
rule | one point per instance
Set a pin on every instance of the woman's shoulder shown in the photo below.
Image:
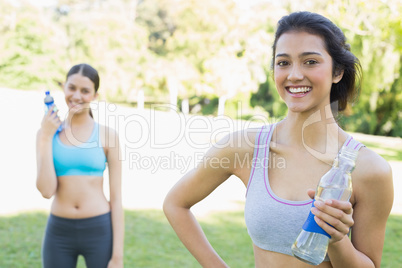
(107, 135)
(232, 151)
(244, 139)
(235, 144)
(371, 167)
(106, 129)
(372, 186)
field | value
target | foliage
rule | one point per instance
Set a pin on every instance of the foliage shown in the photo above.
(372, 29)
(267, 97)
(25, 48)
(198, 49)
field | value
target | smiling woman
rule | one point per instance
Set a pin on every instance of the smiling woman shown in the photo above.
(313, 71)
(303, 71)
(332, 42)
(81, 81)
(70, 166)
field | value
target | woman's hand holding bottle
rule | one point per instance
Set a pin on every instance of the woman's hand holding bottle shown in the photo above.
(50, 123)
(334, 216)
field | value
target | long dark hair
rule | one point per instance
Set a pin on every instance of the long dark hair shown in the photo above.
(87, 71)
(348, 88)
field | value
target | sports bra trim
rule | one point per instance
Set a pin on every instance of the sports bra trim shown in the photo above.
(89, 143)
(255, 160)
(266, 179)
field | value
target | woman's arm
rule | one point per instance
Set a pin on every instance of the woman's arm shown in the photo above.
(373, 193)
(192, 188)
(46, 180)
(216, 167)
(117, 213)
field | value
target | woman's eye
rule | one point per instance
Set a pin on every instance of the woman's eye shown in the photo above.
(282, 63)
(311, 62)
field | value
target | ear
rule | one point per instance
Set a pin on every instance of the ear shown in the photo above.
(96, 96)
(338, 76)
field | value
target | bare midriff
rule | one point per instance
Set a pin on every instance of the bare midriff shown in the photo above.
(79, 197)
(265, 258)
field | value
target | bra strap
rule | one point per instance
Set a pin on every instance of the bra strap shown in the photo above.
(354, 144)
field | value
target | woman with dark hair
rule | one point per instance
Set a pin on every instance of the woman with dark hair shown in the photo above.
(70, 166)
(279, 164)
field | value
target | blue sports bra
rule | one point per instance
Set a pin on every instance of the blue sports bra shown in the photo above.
(86, 159)
(273, 223)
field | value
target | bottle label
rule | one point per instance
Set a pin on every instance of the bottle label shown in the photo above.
(311, 226)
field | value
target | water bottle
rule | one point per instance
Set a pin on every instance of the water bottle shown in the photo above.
(312, 243)
(49, 102)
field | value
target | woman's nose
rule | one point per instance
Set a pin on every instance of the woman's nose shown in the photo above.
(296, 73)
(77, 94)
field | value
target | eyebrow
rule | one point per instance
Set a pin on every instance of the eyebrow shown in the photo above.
(76, 86)
(300, 56)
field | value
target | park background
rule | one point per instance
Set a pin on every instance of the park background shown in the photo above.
(183, 59)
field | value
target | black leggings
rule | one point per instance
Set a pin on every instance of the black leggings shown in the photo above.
(65, 239)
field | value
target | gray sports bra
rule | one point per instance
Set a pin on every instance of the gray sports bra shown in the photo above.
(273, 223)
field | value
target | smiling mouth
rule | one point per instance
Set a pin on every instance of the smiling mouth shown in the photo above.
(75, 106)
(298, 90)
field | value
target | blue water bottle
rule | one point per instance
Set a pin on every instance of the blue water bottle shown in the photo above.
(49, 102)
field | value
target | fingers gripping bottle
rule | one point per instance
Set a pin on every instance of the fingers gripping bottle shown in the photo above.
(49, 102)
(312, 243)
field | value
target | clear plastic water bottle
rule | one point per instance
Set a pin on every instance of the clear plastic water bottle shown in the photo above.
(312, 243)
(49, 102)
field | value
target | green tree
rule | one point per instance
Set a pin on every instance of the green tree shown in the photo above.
(202, 50)
(372, 28)
(29, 48)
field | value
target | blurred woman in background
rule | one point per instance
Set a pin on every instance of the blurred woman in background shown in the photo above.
(70, 166)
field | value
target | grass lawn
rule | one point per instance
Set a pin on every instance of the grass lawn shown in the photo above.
(150, 241)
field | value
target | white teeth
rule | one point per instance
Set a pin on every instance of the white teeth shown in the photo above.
(299, 89)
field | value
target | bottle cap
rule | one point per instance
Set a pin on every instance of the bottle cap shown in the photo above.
(48, 98)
